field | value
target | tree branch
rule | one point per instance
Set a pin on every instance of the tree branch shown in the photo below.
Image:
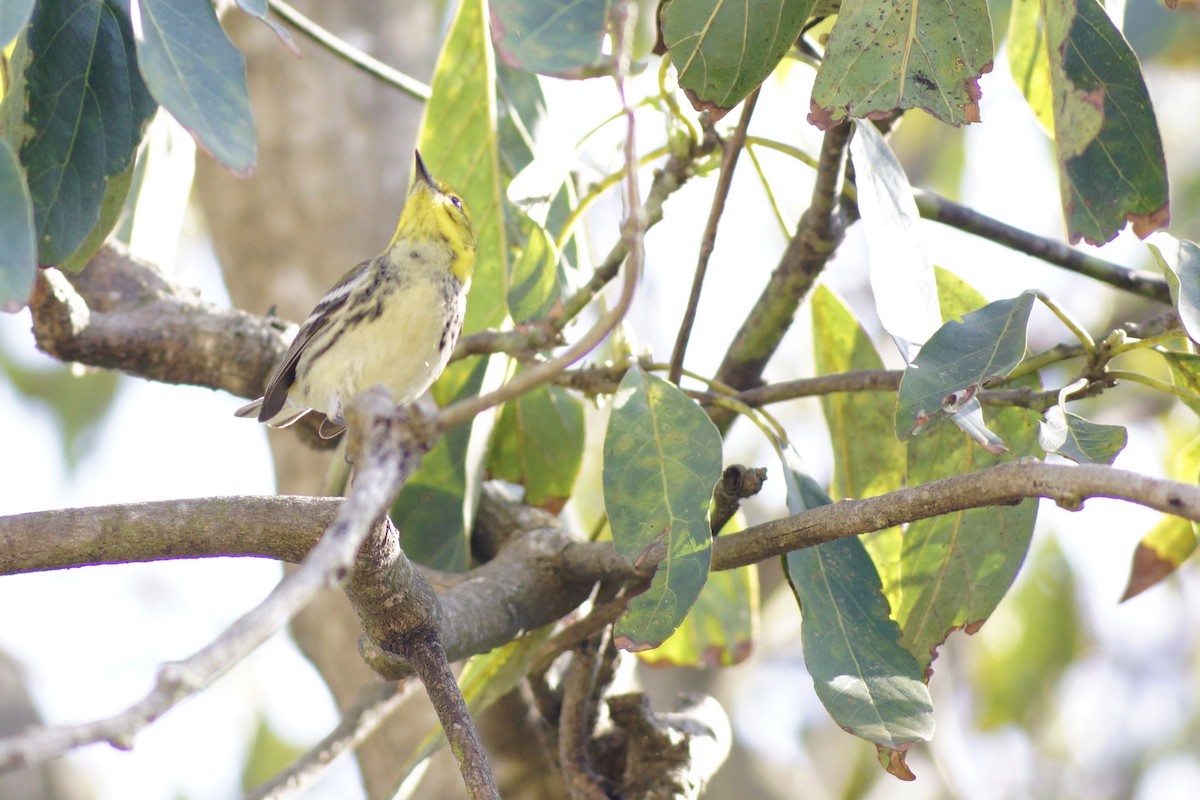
(939, 209)
(351, 54)
(733, 148)
(386, 459)
(541, 573)
(817, 237)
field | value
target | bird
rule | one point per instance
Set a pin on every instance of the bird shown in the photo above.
(392, 320)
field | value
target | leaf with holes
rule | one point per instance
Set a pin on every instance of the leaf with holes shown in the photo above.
(885, 55)
(662, 458)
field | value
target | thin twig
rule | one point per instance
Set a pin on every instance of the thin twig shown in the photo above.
(377, 703)
(348, 52)
(817, 236)
(947, 212)
(733, 149)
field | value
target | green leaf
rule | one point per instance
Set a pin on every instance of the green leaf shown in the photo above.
(13, 16)
(719, 630)
(538, 443)
(197, 74)
(459, 142)
(958, 359)
(1110, 156)
(902, 280)
(552, 37)
(722, 51)
(868, 460)
(18, 249)
(885, 55)
(662, 458)
(955, 568)
(1028, 61)
(535, 288)
(85, 108)
(1179, 260)
(1080, 440)
(435, 509)
(1160, 553)
(869, 684)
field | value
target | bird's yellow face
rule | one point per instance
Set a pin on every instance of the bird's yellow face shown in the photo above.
(435, 212)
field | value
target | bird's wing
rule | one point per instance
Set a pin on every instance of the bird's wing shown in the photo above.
(318, 321)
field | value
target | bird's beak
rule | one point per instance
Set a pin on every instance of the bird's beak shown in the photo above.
(421, 173)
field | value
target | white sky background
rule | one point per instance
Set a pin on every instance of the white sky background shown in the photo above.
(90, 639)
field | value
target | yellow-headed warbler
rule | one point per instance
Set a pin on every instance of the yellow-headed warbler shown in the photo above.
(392, 320)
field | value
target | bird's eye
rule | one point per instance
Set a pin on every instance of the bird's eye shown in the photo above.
(457, 202)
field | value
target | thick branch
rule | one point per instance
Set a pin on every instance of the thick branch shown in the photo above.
(544, 573)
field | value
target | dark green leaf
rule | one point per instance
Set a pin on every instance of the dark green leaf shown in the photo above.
(881, 58)
(85, 111)
(18, 250)
(958, 359)
(869, 684)
(662, 458)
(722, 51)
(538, 443)
(1080, 440)
(1110, 156)
(13, 16)
(1180, 262)
(562, 38)
(197, 74)
(111, 208)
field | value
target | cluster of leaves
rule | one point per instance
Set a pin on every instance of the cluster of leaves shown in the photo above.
(86, 76)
